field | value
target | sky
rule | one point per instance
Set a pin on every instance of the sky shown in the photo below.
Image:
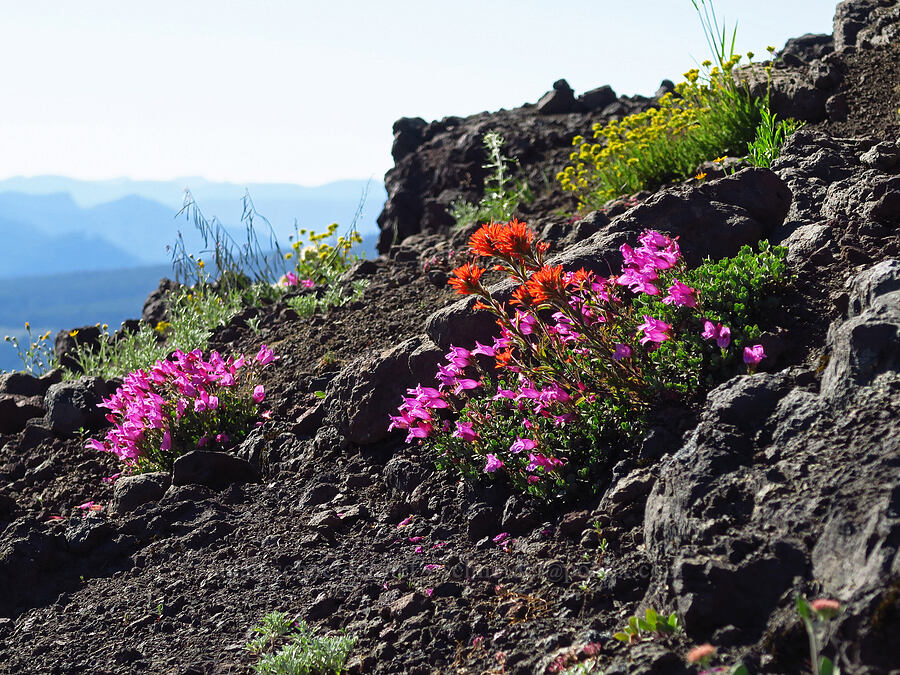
(306, 92)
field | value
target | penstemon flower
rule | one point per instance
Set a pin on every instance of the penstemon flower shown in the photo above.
(180, 404)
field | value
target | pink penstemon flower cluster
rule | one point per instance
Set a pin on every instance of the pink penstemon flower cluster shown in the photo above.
(566, 339)
(180, 404)
(291, 279)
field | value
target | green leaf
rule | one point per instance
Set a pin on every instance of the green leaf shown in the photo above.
(802, 607)
(621, 637)
(740, 669)
(826, 667)
(319, 394)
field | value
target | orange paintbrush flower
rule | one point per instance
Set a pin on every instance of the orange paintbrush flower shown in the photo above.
(546, 283)
(521, 296)
(465, 279)
(484, 241)
(515, 239)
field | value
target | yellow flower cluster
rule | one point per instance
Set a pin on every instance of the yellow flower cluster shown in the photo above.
(664, 142)
(315, 252)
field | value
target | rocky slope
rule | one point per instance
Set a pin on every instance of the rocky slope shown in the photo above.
(781, 482)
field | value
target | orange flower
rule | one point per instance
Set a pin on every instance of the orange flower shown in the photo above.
(546, 283)
(515, 239)
(484, 241)
(465, 279)
(580, 278)
(503, 358)
(520, 296)
(480, 305)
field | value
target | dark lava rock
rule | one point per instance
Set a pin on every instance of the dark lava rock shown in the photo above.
(559, 100)
(15, 411)
(65, 342)
(155, 309)
(213, 469)
(73, 405)
(131, 492)
(23, 384)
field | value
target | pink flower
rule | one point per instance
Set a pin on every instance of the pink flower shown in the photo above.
(826, 607)
(265, 356)
(259, 393)
(429, 592)
(406, 521)
(307, 283)
(85, 506)
(459, 357)
(222, 438)
(721, 334)
(753, 355)
(536, 461)
(419, 549)
(465, 431)
(493, 463)
(415, 540)
(433, 566)
(500, 538)
(166, 444)
(623, 351)
(521, 444)
(701, 654)
(655, 330)
(681, 295)
(290, 279)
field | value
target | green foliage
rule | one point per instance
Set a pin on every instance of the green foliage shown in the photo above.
(699, 121)
(711, 113)
(651, 625)
(38, 357)
(288, 646)
(739, 292)
(331, 296)
(193, 314)
(577, 381)
(502, 192)
(770, 136)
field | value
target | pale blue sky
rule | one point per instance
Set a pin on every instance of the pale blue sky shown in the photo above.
(306, 92)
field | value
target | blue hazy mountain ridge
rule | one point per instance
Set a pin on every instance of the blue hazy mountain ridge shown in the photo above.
(27, 251)
(139, 217)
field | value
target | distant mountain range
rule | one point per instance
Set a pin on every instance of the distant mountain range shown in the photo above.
(52, 224)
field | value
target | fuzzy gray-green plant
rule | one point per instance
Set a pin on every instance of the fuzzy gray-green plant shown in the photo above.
(288, 646)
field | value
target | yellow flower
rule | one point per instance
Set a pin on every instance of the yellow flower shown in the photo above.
(73, 333)
(701, 175)
(288, 256)
(201, 264)
(770, 49)
(27, 326)
(721, 159)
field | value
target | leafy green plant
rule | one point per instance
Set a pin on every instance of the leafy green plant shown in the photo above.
(194, 312)
(817, 616)
(580, 360)
(502, 192)
(651, 625)
(288, 646)
(38, 357)
(770, 136)
(330, 296)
